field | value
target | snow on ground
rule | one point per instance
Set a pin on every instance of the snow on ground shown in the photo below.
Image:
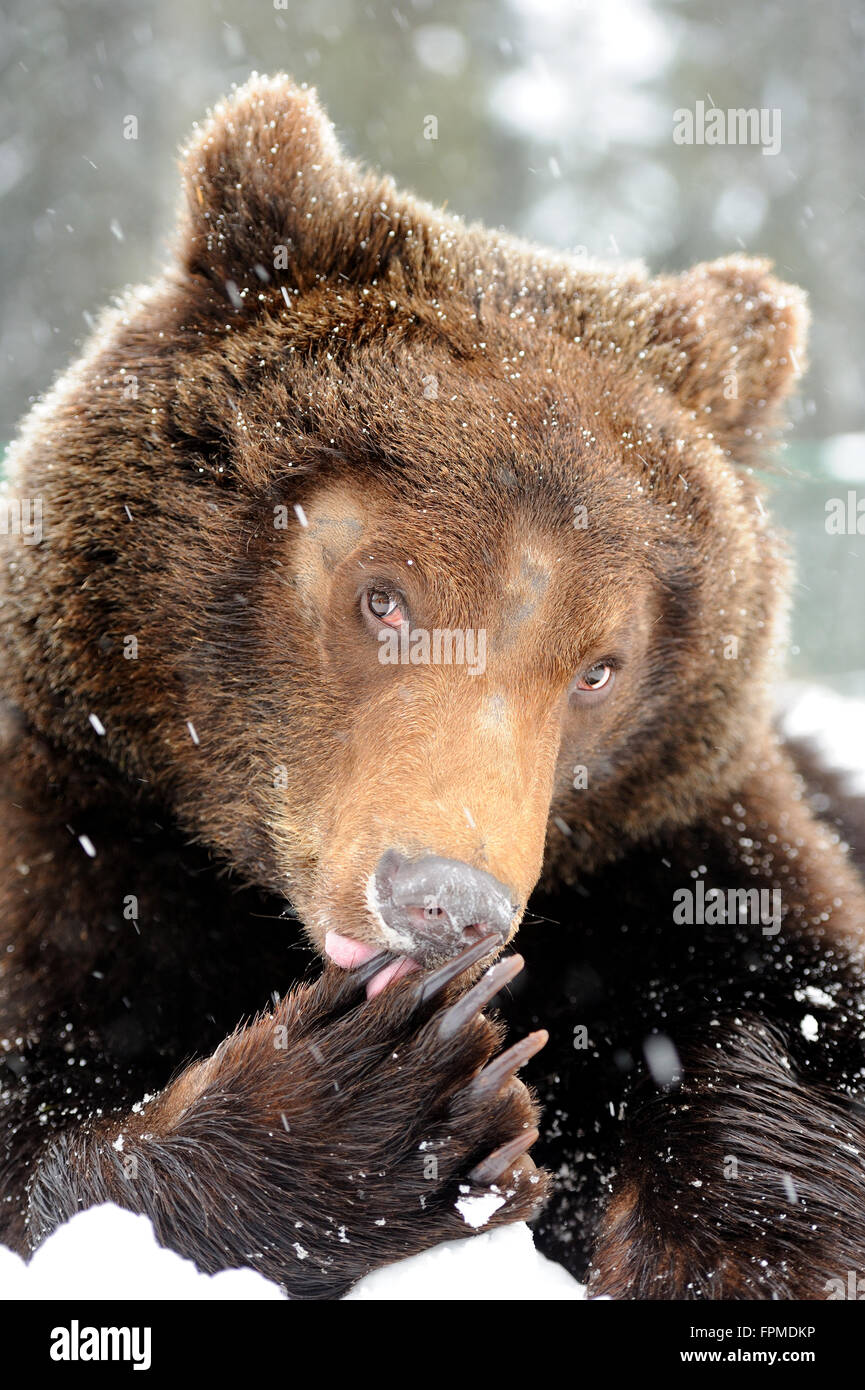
(501, 1264)
(834, 723)
(107, 1253)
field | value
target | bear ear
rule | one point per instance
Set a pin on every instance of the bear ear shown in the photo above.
(729, 340)
(269, 194)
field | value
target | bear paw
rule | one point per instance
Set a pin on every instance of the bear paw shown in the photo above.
(355, 1132)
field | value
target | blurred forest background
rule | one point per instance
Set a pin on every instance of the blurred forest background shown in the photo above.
(554, 118)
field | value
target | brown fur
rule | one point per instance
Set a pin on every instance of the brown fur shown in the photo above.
(260, 390)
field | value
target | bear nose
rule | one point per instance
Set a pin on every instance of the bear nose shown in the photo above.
(441, 904)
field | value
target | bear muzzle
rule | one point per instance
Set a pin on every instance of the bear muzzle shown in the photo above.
(439, 906)
(429, 909)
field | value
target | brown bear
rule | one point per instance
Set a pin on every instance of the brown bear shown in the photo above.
(398, 580)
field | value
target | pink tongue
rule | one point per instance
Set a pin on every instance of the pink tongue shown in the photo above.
(394, 971)
(345, 952)
(348, 953)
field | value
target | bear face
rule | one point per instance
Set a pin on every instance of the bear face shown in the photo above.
(362, 427)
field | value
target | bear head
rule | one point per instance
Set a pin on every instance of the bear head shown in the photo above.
(397, 557)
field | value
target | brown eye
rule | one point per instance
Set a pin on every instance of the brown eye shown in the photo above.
(384, 606)
(596, 678)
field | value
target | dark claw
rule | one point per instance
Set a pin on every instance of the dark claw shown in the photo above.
(350, 982)
(362, 974)
(494, 1166)
(430, 984)
(502, 1069)
(458, 1015)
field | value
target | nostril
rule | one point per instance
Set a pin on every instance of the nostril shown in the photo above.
(423, 916)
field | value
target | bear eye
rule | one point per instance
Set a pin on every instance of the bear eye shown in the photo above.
(384, 606)
(597, 678)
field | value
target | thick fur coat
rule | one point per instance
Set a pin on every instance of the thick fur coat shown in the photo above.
(332, 392)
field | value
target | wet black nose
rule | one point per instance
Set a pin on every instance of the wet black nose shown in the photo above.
(441, 904)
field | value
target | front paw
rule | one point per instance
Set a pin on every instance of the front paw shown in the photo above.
(356, 1132)
(453, 1125)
